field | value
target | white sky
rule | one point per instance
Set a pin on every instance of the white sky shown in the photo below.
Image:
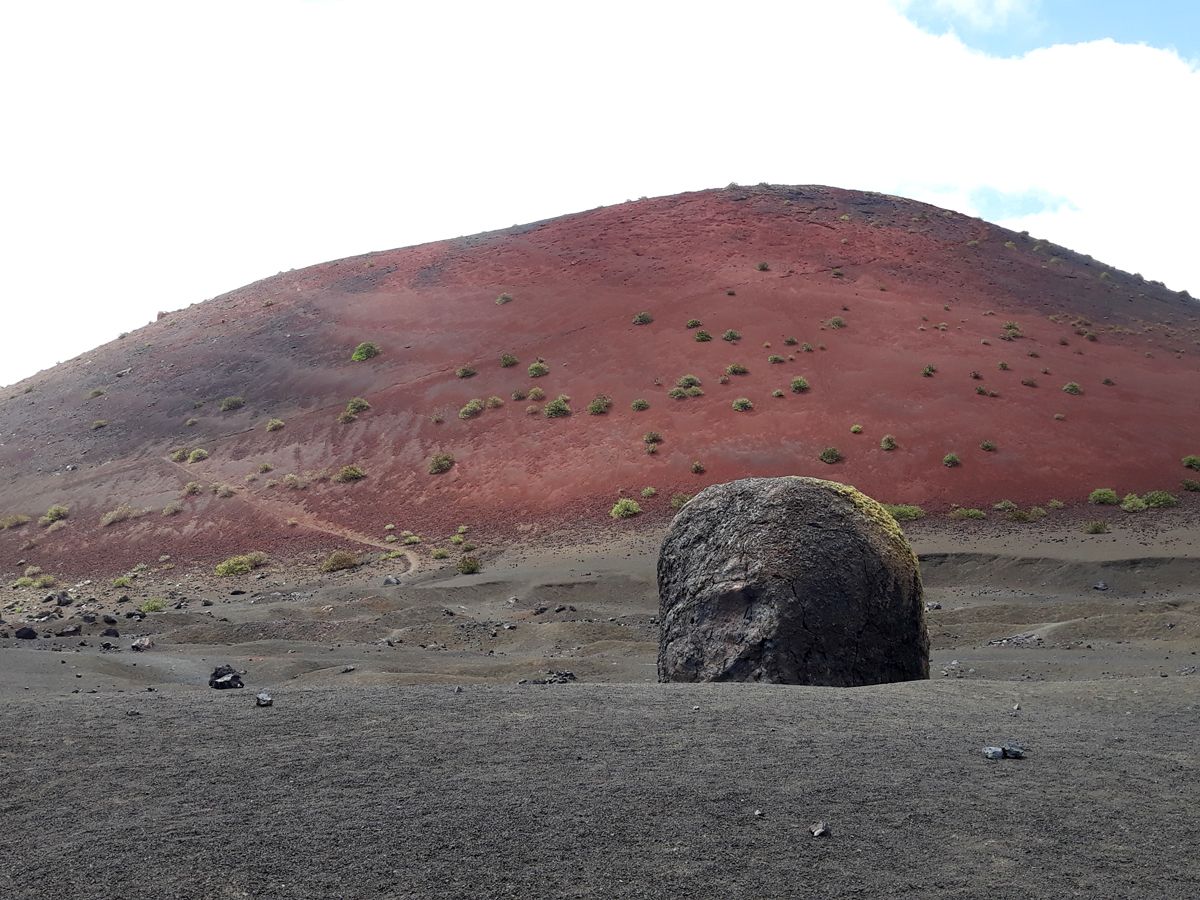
(159, 153)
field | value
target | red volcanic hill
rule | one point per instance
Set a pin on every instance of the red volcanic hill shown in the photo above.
(940, 330)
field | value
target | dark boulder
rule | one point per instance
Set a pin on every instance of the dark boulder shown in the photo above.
(26, 633)
(790, 581)
(224, 678)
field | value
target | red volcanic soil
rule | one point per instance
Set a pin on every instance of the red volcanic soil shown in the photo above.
(916, 286)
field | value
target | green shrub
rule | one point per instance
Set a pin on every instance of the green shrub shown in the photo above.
(240, 565)
(775, 360)
(1103, 497)
(464, 372)
(904, 512)
(1192, 462)
(806, 347)
(987, 446)
(640, 405)
(179, 454)
(777, 393)
(412, 539)
(950, 460)
(16, 520)
(197, 455)
(120, 514)
(697, 468)
(503, 298)
(357, 405)
(349, 473)
(790, 341)
(518, 394)
(1133, 503)
(648, 492)
(440, 462)
(173, 508)
(703, 337)
(600, 405)
(1108, 382)
(736, 369)
(694, 323)
(1095, 527)
(457, 539)
(1002, 366)
(493, 402)
(965, 513)
(1055, 504)
(731, 335)
(836, 322)
(538, 368)
(468, 565)
(536, 393)
(743, 404)
(887, 442)
(1190, 484)
(471, 409)
(55, 513)
(1004, 506)
(153, 605)
(625, 508)
(557, 408)
(1072, 387)
(799, 385)
(1160, 500)
(364, 351)
(679, 501)
(929, 371)
(856, 429)
(122, 581)
(345, 417)
(652, 437)
(274, 424)
(763, 267)
(439, 553)
(507, 360)
(687, 381)
(830, 455)
(339, 560)
(643, 318)
(231, 403)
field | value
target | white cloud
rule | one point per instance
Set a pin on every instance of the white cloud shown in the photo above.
(158, 154)
(979, 14)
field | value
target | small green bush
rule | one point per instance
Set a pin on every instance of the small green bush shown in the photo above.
(600, 405)
(440, 462)
(122, 581)
(1133, 503)
(648, 492)
(1160, 500)
(775, 359)
(1055, 504)
(640, 405)
(120, 514)
(830, 455)
(1002, 366)
(412, 539)
(439, 553)
(197, 455)
(1072, 387)
(763, 267)
(703, 337)
(799, 385)
(856, 429)
(503, 299)
(904, 512)
(347, 474)
(493, 402)
(836, 322)
(468, 565)
(1192, 462)
(731, 335)
(364, 351)
(777, 393)
(697, 468)
(231, 403)
(16, 520)
(274, 424)
(536, 393)
(694, 323)
(643, 318)
(538, 368)
(507, 360)
(743, 404)
(464, 372)
(965, 513)
(790, 341)
(153, 605)
(1004, 506)
(179, 454)
(987, 446)
(929, 371)
(887, 442)
(1104, 497)
(625, 508)
(471, 409)
(557, 408)
(950, 460)
(339, 560)
(1095, 527)
(357, 405)
(652, 437)
(687, 381)
(240, 565)
(679, 501)
(55, 513)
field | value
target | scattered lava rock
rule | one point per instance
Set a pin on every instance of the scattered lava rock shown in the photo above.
(26, 633)
(110, 632)
(225, 677)
(69, 631)
(263, 699)
(552, 677)
(789, 581)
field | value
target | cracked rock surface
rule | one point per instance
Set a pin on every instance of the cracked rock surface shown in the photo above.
(789, 581)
